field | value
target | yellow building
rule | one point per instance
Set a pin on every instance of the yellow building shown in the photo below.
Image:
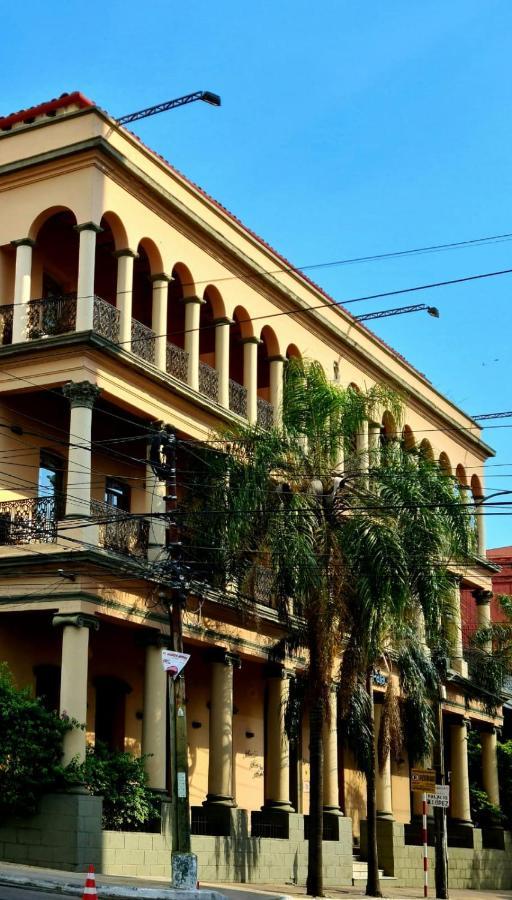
(128, 297)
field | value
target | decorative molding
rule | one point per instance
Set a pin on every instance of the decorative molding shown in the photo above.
(482, 597)
(81, 393)
(88, 226)
(277, 358)
(223, 320)
(251, 340)
(222, 655)
(77, 620)
(160, 276)
(23, 242)
(126, 252)
(193, 299)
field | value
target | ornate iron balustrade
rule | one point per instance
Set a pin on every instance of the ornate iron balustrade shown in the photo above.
(263, 585)
(265, 413)
(6, 314)
(143, 341)
(106, 320)
(119, 531)
(208, 381)
(32, 521)
(177, 362)
(55, 315)
(237, 398)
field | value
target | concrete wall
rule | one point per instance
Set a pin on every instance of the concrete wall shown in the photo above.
(476, 868)
(240, 857)
(64, 834)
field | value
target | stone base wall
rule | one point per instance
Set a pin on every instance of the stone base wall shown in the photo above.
(138, 853)
(243, 858)
(477, 868)
(64, 834)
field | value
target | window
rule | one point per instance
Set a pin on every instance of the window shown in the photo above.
(117, 494)
(51, 475)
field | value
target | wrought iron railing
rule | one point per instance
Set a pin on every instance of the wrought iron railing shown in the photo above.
(106, 320)
(6, 314)
(143, 341)
(28, 521)
(263, 585)
(177, 362)
(208, 381)
(265, 413)
(121, 531)
(237, 398)
(54, 315)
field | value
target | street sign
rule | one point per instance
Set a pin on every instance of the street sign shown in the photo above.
(173, 662)
(423, 781)
(441, 797)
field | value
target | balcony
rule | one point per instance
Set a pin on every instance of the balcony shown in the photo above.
(237, 398)
(55, 315)
(177, 362)
(32, 521)
(119, 531)
(6, 315)
(143, 341)
(208, 381)
(265, 413)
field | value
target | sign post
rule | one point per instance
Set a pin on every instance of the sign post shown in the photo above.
(423, 781)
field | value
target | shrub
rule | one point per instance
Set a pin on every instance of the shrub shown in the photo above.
(482, 811)
(30, 748)
(121, 779)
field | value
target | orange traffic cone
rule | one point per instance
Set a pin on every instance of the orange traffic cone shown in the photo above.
(90, 892)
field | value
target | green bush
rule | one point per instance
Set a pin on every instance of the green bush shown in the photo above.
(483, 812)
(30, 748)
(121, 779)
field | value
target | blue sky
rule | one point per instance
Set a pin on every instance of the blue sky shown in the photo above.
(346, 129)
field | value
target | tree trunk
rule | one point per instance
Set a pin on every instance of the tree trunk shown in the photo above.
(314, 884)
(373, 883)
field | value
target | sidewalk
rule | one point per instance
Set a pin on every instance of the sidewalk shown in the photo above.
(128, 888)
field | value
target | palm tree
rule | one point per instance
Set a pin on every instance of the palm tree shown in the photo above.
(351, 555)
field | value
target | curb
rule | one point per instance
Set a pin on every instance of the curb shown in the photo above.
(103, 890)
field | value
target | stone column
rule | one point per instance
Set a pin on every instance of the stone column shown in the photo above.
(457, 661)
(22, 288)
(251, 377)
(374, 444)
(460, 810)
(159, 318)
(192, 318)
(154, 722)
(330, 739)
(383, 779)
(277, 757)
(124, 295)
(86, 267)
(490, 765)
(276, 364)
(155, 494)
(73, 678)
(220, 761)
(483, 612)
(82, 396)
(222, 327)
(362, 453)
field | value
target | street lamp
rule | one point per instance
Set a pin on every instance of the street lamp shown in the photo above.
(399, 311)
(206, 96)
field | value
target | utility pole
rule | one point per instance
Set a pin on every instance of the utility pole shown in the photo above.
(173, 596)
(441, 840)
